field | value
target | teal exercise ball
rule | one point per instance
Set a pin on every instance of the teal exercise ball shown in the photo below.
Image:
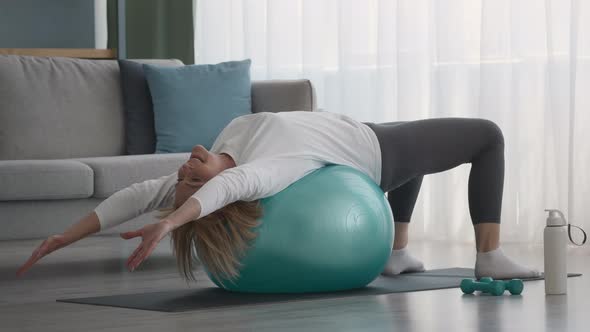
(331, 230)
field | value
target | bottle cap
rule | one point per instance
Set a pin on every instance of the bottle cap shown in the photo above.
(555, 218)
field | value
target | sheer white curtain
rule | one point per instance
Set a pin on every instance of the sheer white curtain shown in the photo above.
(521, 63)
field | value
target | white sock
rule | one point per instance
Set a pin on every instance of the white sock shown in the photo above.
(497, 265)
(401, 261)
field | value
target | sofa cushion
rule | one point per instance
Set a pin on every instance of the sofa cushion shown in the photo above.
(44, 179)
(112, 174)
(55, 108)
(140, 135)
(193, 103)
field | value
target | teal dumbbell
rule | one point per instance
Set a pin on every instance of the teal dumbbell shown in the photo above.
(514, 286)
(494, 287)
(487, 285)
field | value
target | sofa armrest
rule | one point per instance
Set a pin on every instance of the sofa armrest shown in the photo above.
(283, 95)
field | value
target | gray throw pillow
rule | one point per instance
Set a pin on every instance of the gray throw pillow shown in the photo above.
(140, 135)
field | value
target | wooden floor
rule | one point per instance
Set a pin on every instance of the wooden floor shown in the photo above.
(95, 266)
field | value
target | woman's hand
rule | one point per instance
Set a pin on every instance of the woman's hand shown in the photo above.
(88, 225)
(150, 237)
(48, 246)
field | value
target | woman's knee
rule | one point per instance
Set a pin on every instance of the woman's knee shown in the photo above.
(492, 131)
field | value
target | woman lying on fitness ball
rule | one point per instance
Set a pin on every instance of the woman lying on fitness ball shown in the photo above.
(212, 201)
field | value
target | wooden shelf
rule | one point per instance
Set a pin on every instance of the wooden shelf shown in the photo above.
(84, 53)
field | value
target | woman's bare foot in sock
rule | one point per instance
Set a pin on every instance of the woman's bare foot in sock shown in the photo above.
(497, 265)
(401, 261)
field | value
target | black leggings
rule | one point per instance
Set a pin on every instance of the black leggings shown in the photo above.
(412, 149)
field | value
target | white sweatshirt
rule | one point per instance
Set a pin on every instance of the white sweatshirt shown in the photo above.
(271, 151)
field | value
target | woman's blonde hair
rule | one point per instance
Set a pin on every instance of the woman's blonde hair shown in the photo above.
(220, 240)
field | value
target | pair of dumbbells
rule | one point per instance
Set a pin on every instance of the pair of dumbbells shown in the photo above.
(491, 286)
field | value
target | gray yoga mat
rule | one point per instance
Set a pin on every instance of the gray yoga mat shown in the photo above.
(210, 298)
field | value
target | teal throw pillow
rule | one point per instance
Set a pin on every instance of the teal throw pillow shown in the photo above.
(193, 103)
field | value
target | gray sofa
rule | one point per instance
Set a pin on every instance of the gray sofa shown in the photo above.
(62, 141)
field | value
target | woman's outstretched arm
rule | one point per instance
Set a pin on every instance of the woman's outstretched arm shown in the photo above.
(251, 181)
(135, 200)
(247, 182)
(152, 234)
(123, 205)
(188, 211)
(86, 226)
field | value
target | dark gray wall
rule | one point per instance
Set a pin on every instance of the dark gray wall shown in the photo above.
(46, 23)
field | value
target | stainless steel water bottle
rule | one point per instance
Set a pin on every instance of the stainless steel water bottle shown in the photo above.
(555, 253)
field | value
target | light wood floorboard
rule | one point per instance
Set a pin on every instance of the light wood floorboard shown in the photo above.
(95, 267)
